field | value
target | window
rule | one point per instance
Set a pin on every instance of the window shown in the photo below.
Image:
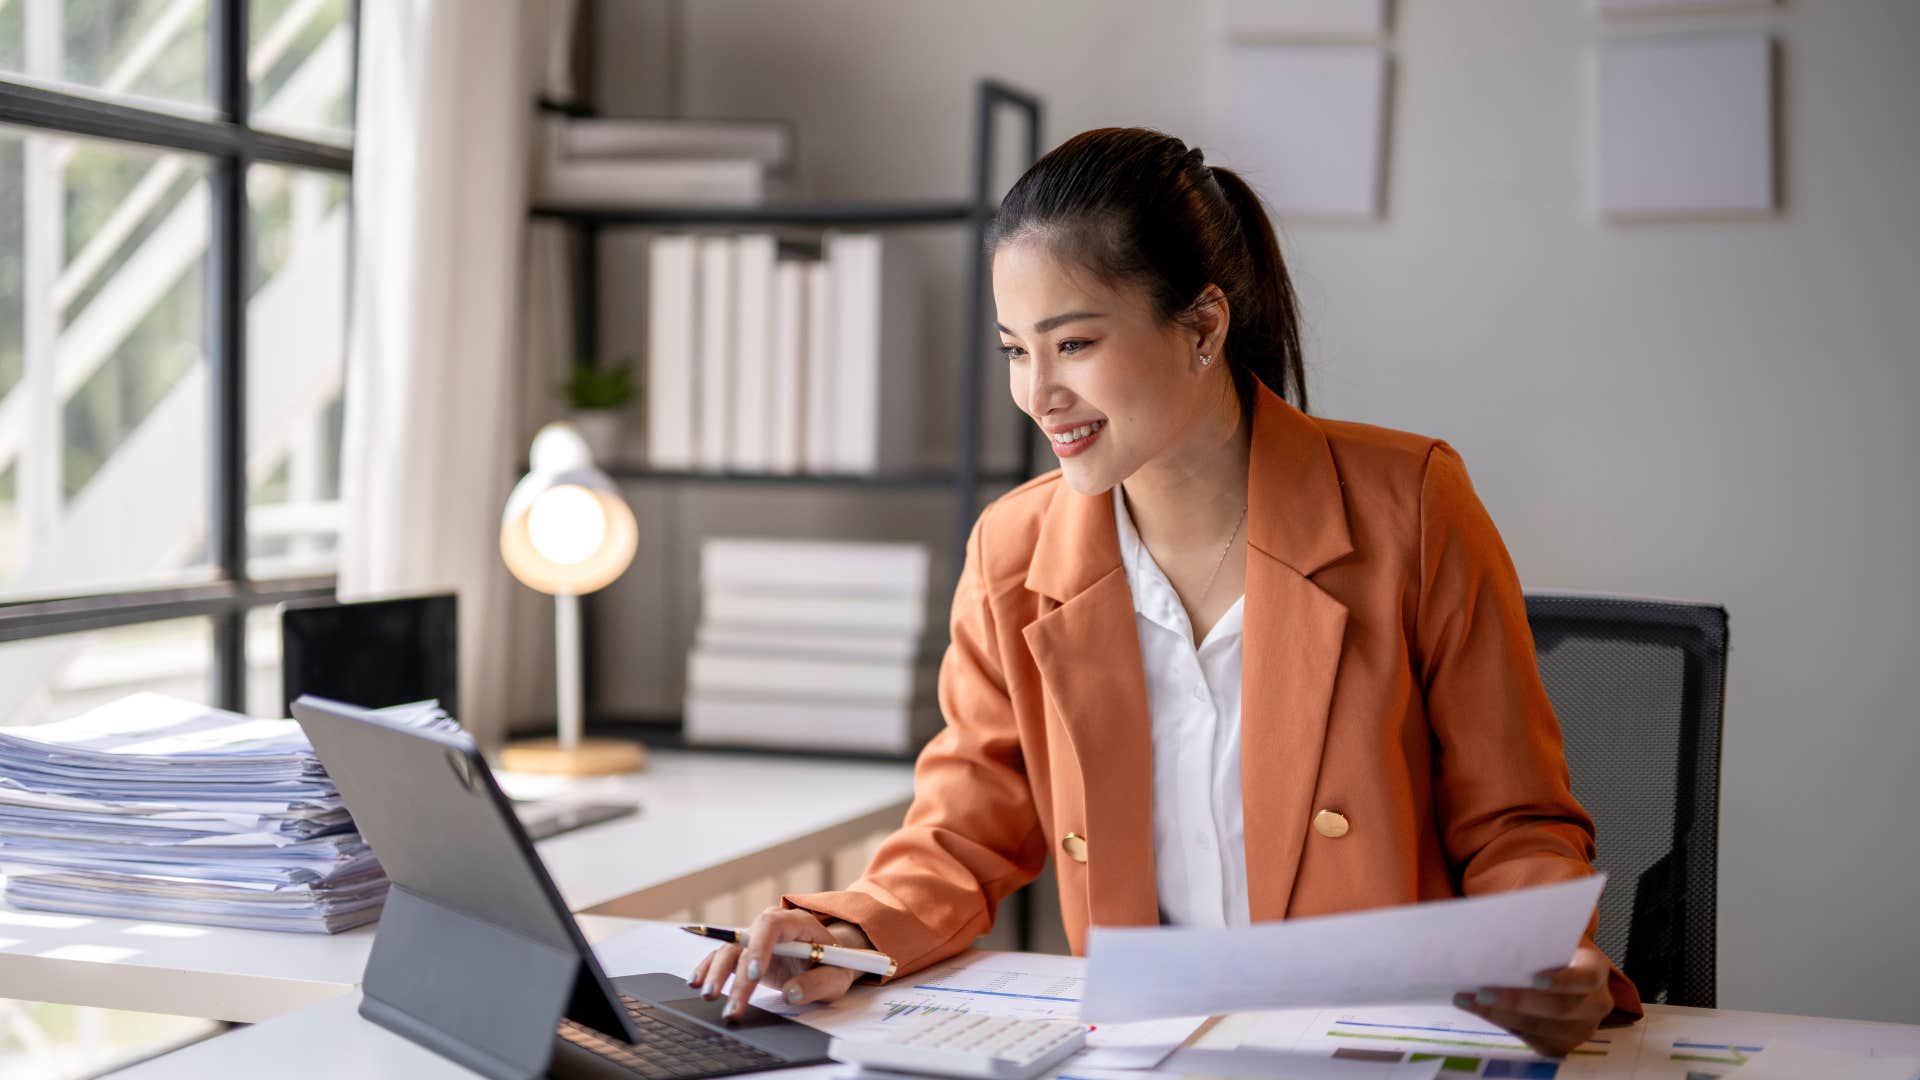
(174, 209)
(174, 182)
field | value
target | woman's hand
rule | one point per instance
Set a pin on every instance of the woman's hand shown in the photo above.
(1561, 1010)
(799, 980)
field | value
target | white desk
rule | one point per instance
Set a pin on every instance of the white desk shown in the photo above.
(708, 824)
(332, 1040)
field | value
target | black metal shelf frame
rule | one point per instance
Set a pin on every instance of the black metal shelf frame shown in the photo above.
(226, 136)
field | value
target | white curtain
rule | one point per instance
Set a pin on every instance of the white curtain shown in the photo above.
(433, 420)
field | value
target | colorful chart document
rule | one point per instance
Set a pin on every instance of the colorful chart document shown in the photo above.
(1413, 954)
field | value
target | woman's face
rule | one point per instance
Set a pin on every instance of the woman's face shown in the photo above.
(1112, 387)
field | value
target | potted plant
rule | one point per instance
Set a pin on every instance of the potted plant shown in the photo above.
(595, 396)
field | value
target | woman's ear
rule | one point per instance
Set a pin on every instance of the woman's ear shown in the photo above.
(1210, 320)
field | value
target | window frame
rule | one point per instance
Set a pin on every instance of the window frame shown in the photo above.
(231, 144)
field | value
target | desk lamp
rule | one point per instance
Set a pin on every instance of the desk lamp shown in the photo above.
(566, 531)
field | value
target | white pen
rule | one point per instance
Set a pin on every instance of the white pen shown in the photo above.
(868, 960)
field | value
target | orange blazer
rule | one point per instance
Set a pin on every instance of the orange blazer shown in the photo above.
(1388, 677)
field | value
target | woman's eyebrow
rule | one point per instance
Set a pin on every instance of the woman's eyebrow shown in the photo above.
(1052, 321)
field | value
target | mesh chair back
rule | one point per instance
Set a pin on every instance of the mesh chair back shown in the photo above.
(1637, 685)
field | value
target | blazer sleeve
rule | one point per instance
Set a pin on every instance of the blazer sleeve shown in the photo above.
(972, 834)
(1506, 810)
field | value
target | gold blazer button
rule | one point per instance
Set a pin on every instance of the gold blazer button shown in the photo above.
(1075, 846)
(1330, 825)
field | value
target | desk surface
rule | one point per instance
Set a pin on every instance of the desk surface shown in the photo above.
(708, 823)
(331, 1039)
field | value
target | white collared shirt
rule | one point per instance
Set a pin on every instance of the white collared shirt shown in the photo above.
(1193, 698)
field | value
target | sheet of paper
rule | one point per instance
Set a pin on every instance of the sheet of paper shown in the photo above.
(1415, 953)
(1028, 985)
(1462, 1042)
(1259, 1065)
(1689, 1046)
(1791, 1061)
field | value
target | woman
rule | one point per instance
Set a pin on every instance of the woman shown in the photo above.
(1230, 663)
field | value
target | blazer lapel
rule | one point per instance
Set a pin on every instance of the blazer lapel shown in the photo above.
(1290, 645)
(1088, 654)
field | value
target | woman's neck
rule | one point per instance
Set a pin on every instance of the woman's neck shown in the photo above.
(1190, 497)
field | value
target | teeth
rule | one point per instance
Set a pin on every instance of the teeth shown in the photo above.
(1078, 433)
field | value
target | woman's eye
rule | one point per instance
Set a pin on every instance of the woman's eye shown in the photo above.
(1012, 352)
(1071, 347)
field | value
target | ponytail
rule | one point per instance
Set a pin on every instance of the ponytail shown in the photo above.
(1141, 207)
(1263, 338)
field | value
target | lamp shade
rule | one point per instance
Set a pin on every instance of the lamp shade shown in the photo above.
(566, 530)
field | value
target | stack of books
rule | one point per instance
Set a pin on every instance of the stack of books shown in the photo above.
(613, 162)
(153, 807)
(762, 358)
(818, 645)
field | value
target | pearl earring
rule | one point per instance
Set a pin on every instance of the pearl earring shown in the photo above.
(1205, 359)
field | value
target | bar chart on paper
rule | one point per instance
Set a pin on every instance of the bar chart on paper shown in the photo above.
(1003, 984)
(1463, 1044)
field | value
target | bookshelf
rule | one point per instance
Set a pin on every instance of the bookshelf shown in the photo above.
(965, 480)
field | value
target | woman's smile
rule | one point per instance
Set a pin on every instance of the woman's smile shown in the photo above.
(1074, 441)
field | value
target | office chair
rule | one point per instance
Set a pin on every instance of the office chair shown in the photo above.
(1638, 687)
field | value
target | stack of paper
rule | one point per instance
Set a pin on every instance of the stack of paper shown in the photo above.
(814, 644)
(152, 807)
(623, 162)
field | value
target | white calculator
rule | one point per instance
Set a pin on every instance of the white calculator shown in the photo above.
(947, 1043)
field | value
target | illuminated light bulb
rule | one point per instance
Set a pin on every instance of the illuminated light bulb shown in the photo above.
(567, 525)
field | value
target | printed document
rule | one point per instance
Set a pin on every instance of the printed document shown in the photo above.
(1415, 953)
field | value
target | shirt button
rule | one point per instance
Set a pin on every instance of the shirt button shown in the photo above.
(1200, 693)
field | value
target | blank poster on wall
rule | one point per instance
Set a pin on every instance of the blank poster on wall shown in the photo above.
(1304, 124)
(1683, 126)
(1305, 18)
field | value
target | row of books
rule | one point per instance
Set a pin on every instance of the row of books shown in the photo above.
(764, 361)
(153, 807)
(814, 645)
(603, 162)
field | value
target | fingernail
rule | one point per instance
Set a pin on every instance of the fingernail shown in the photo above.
(1542, 982)
(732, 1011)
(1486, 997)
(1462, 1000)
(712, 989)
(753, 969)
(793, 993)
(693, 980)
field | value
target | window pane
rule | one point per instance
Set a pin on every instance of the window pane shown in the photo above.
(296, 358)
(105, 427)
(145, 50)
(300, 67)
(52, 678)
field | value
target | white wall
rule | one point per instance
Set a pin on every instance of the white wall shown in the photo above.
(1713, 411)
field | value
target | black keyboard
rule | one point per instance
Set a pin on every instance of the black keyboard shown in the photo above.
(669, 1048)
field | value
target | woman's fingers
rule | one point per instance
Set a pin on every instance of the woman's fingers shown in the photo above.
(718, 965)
(757, 962)
(823, 983)
(1543, 1004)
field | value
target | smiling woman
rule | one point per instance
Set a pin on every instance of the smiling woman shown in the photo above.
(1213, 582)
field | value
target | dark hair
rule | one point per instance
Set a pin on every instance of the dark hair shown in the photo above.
(1138, 206)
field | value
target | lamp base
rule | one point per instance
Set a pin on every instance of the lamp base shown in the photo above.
(592, 757)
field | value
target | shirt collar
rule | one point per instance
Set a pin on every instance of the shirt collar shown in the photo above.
(1153, 595)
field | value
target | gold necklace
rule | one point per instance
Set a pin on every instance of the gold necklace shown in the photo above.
(1231, 537)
